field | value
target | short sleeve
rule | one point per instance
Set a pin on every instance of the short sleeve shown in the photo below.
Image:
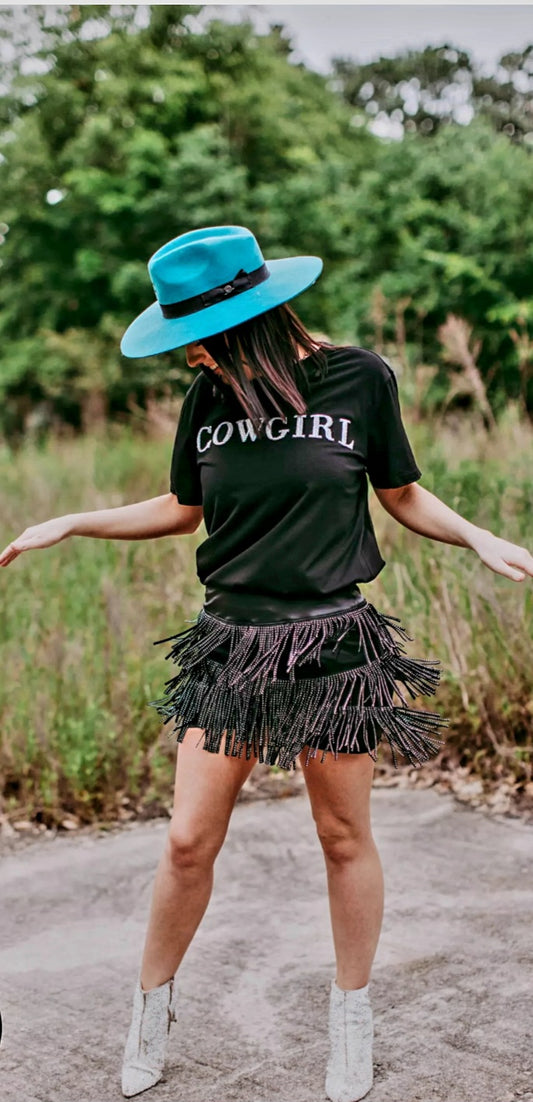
(390, 458)
(184, 471)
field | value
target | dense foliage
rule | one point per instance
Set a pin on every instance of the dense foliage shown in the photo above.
(116, 136)
(423, 90)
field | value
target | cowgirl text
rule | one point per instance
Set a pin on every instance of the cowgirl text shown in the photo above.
(319, 425)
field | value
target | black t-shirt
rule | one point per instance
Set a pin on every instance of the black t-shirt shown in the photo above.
(287, 514)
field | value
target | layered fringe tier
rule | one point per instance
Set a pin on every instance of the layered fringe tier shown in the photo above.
(255, 699)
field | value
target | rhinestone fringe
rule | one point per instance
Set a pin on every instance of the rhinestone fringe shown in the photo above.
(274, 718)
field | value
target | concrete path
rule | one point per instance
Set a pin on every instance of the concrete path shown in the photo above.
(451, 985)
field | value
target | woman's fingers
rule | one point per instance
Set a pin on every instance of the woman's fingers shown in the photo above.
(508, 559)
(508, 572)
(520, 557)
(15, 548)
(8, 554)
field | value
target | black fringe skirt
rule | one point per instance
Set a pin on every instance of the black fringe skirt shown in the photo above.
(273, 675)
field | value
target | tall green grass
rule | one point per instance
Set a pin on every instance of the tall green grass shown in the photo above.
(78, 620)
(478, 623)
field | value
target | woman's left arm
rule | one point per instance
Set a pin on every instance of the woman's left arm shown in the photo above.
(421, 511)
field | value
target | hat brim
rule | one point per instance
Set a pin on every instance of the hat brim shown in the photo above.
(150, 333)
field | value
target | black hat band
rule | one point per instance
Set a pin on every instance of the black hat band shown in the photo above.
(243, 281)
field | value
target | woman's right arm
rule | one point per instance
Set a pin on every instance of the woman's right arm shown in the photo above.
(159, 516)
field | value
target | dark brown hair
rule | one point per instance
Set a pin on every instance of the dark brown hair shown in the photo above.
(269, 345)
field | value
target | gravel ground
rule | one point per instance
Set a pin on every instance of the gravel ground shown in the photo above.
(450, 986)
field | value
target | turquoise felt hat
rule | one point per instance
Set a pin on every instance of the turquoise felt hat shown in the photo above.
(209, 280)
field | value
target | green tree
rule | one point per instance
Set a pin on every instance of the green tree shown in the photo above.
(423, 90)
(115, 136)
(437, 226)
(129, 135)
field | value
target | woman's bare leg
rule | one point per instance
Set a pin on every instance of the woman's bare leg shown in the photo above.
(339, 792)
(205, 791)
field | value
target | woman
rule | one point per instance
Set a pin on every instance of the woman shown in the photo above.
(286, 658)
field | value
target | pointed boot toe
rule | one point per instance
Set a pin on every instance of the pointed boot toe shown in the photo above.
(136, 1078)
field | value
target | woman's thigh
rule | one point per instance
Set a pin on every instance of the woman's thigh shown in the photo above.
(205, 789)
(339, 792)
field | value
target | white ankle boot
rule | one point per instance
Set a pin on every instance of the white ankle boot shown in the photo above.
(350, 1073)
(145, 1051)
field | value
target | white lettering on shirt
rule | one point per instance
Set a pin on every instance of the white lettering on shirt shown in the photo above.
(246, 430)
(344, 433)
(326, 424)
(204, 428)
(229, 432)
(322, 428)
(268, 429)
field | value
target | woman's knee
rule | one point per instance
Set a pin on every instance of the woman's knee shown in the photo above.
(342, 842)
(191, 847)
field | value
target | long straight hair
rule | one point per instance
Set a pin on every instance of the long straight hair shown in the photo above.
(268, 343)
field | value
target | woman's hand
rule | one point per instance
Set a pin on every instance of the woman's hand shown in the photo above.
(39, 535)
(503, 557)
